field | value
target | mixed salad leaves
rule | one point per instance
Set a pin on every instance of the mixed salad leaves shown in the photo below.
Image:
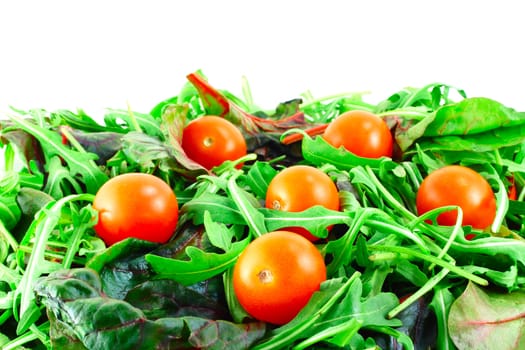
(395, 280)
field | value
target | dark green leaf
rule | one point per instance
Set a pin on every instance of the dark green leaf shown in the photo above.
(122, 266)
(167, 298)
(99, 322)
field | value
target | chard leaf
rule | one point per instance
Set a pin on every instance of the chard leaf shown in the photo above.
(484, 319)
(122, 266)
(75, 300)
(103, 143)
(27, 145)
(167, 298)
(149, 153)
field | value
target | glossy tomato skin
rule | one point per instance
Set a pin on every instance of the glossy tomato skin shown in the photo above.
(275, 276)
(461, 186)
(298, 188)
(211, 140)
(135, 205)
(362, 133)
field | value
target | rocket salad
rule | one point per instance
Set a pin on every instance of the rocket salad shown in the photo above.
(393, 275)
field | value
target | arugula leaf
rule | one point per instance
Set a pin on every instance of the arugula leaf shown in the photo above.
(80, 163)
(319, 152)
(200, 266)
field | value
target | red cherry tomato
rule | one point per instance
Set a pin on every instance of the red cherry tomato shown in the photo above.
(362, 133)
(461, 186)
(211, 140)
(298, 188)
(276, 275)
(136, 205)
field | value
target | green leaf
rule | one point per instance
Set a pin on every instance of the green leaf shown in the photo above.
(441, 302)
(336, 303)
(245, 204)
(315, 219)
(42, 227)
(122, 266)
(220, 208)
(483, 142)
(200, 266)
(218, 234)
(147, 123)
(60, 182)
(76, 302)
(9, 210)
(28, 318)
(259, 176)
(162, 298)
(473, 116)
(485, 319)
(80, 163)
(319, 152)
(411, 272)
(151, 153)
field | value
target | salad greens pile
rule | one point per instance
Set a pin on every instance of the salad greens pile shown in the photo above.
(394, 278)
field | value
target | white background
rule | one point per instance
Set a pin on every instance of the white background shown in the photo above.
(93, 55)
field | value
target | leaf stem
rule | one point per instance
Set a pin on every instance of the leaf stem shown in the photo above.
(280, 341)
(431, 283)
(133, 119)
(388, 196)
(6, 236)
(446, 265)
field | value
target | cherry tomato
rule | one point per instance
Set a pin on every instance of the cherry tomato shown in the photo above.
(211, 140)
(298, 188)
(276, 275)
(136, 205)
(362, 133)
(461, 186)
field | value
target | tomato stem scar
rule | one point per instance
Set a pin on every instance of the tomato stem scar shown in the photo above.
(265, 276)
